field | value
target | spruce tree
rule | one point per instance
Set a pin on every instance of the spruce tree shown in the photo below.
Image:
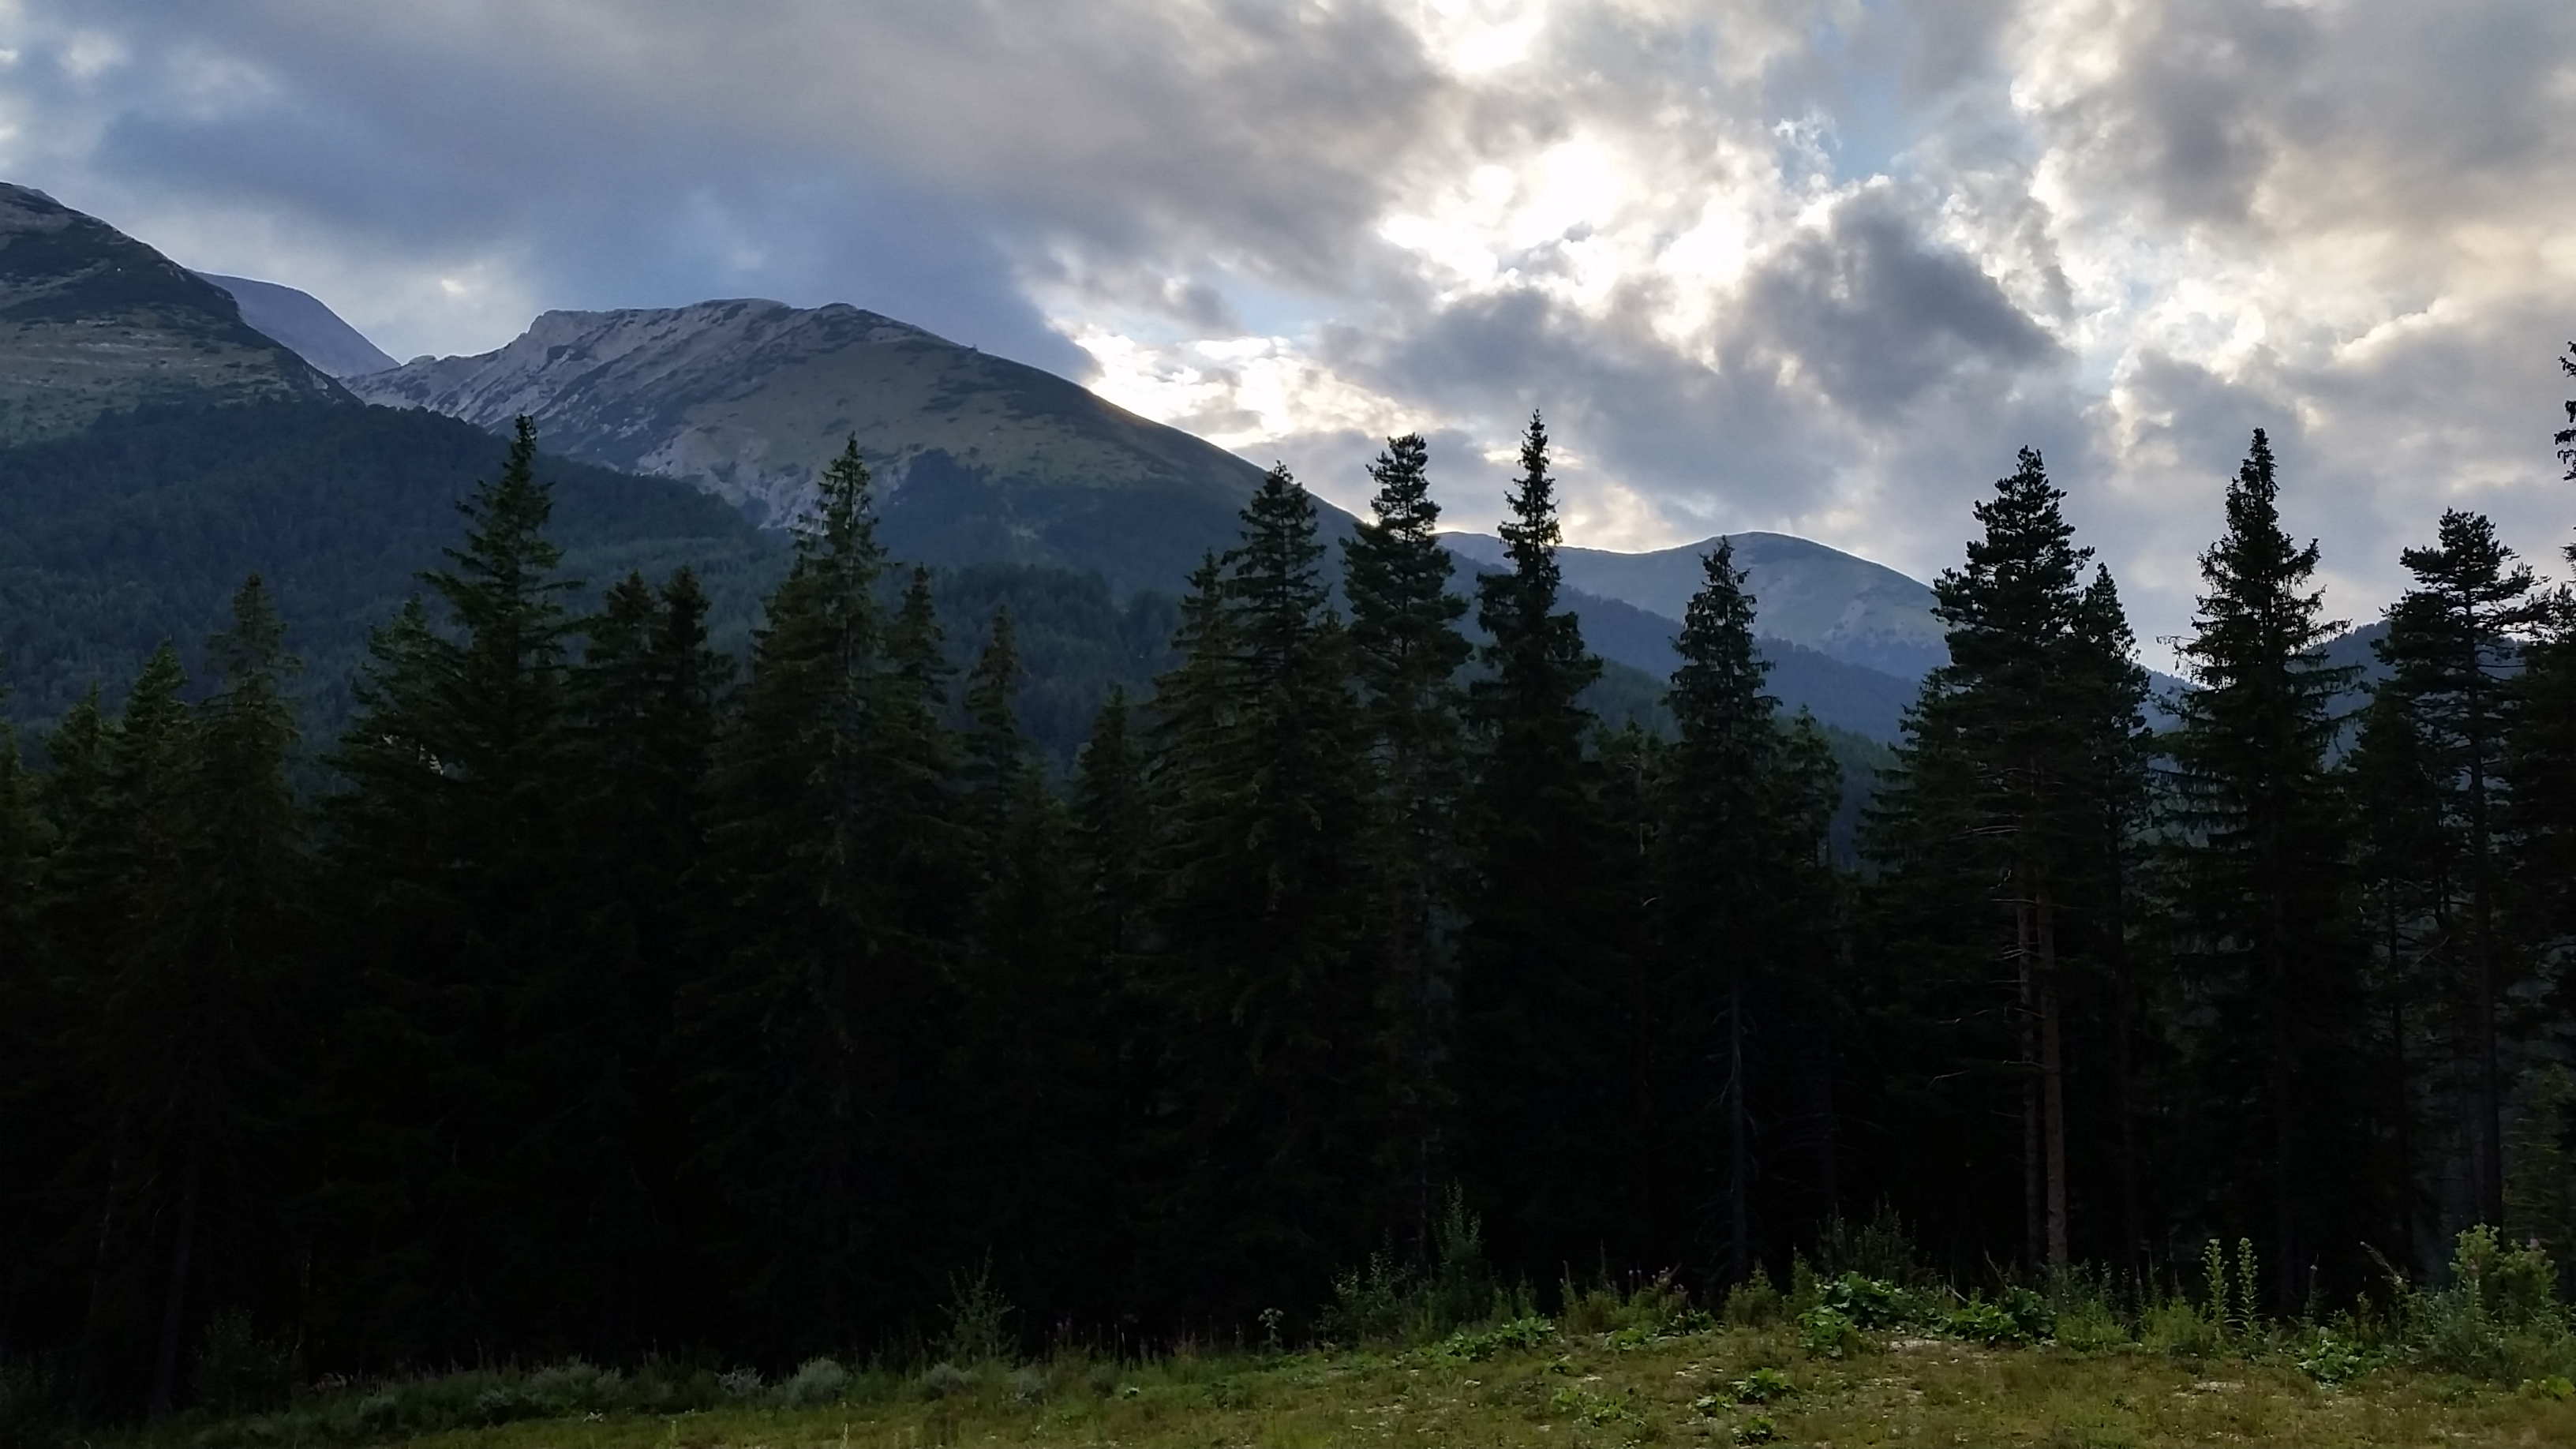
(2452, 641)
(1406, 650)
(2271, 963)
(1277, 1019)
(820, 1028)
(2405, 871)
(452, 836)
(2011, 758)
(1539, 993)
(644, 700)
(1721, 890)
(1029, 1067)
(28, 1098)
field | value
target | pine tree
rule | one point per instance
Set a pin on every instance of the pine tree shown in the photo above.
(452, 838)
(1721, 885)
(2265, 897)
(821, 1029)
(2540, 764)
(2451, 641)
(1275, 1015)
(1406, 650)
(2404, 868)
(27, 1101)
(2011, 760)
(1538, 991)
(644, 701)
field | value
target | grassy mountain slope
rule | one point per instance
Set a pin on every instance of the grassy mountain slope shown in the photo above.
(94, 322)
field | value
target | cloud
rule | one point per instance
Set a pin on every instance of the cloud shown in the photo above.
(1817, 265)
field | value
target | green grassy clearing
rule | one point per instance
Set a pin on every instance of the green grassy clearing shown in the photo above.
(1717, 1386)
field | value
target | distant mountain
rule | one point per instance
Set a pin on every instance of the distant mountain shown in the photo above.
(94, 322)
(1867, 702)
(299, 320)
(1822, 598)
(981, 458)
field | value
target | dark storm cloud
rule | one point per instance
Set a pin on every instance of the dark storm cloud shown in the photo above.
(1879, 316)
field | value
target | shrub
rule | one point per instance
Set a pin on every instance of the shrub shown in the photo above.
(1476, 1345)
(1827, 1332)
(741, 1383)
(978, 1329)
(2496, 1320)
(237, 1371)
(1872, 1303)
(945, 1381)
(1754, 1303)
(2019, 1316)
(1762, 1386)
(816, 1381)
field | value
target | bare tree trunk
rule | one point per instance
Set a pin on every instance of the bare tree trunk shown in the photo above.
(1739, 1226)
(165, 1363)
(2052, 1069)
(2031, 1172)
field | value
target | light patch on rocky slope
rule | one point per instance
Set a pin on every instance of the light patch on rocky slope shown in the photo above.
(750, 399)
(94, 322)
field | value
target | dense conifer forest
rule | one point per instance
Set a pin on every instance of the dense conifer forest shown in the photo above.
(617, 994)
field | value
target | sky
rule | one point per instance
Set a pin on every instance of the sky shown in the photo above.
(1813, 266)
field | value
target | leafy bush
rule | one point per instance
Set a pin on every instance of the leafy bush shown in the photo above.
(978, 1328)
(741, 1383)
(1827, 1332)
(1477, 1345)
(1881, 1248)
(816, 1381)
(945, 1381)
(2497, 1320)
(2019, 1316)
(2331, 1358)
(1754, 1303)
(1388, 1300)
(1762, 1386)
(237, 1371)
(1872, 1303)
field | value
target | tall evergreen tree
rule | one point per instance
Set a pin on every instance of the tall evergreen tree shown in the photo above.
(1721, 885)
(1032, 1073)
(821, 1037)
(2272, 962)
(452, 833)
(1275, 1015)
(1538, 989)
(2007, 765)
(1406, 650)
(2540, 761)
(2452, 640)
(603, 1014)
(2405, 869)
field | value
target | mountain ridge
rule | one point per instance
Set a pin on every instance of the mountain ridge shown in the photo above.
(94, 322)
(309, 328)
